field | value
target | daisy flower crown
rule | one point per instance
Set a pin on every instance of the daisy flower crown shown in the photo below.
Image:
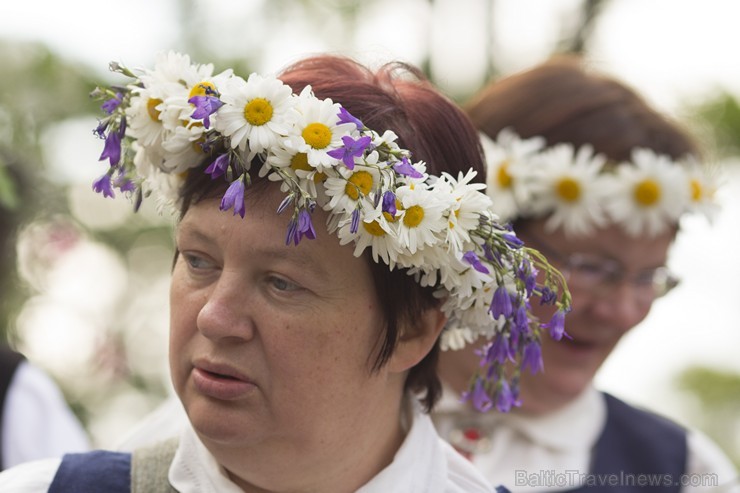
(441, 230)
(580, 191)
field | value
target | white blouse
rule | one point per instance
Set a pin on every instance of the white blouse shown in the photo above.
(553, 452)
(423, 464)
(37, 422)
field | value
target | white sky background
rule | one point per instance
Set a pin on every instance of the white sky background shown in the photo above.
(673, 51)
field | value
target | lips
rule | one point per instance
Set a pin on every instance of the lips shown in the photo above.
(219, 381)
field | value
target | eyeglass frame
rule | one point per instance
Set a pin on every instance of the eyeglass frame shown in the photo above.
(661, 279)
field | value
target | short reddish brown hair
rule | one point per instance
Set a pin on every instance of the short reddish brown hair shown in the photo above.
(396, 97)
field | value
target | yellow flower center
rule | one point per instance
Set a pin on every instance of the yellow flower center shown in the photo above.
(151, 108)
(198, 145)
(201, 89)
(647, 192)
(361, 181)
(374, 228)
(317, 135)
(300, 162)
(258, 111)
(413, 217)
(696, 191)
(568, 189)
(503, 176)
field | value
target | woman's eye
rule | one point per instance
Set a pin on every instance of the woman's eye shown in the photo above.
(281, 284)
(196, 262)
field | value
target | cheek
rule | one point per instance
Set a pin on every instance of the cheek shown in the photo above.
(326, 349)
(184, 308)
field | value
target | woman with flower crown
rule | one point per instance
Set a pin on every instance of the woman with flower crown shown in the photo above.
(330, 241)
(593, 177)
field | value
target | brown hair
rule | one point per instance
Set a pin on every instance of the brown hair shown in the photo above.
(562, 101)
(396, 97)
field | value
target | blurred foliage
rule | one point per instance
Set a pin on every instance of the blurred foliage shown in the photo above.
(41, 90)
(718, 395)
(722, 116)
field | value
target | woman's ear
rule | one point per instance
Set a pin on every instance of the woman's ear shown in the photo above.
(417, 341)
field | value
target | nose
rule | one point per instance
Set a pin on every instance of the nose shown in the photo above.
(226, 313)
(622, 306)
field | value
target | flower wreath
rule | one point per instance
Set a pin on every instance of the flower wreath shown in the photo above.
(580, 191)
(440, 229)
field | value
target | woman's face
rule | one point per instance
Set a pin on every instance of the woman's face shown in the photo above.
(271, 345)
(601, 315)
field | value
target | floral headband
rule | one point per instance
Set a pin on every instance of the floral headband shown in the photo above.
(581, 191)
(441, 229)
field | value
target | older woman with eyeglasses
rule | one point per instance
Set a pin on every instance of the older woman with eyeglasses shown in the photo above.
(597, 180)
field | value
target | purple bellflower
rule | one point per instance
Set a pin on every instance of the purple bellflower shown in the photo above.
(112, 148)
(103, 185)
(513, 241)
(479, 396)
(355, 225)
(389, 203)
(110, 105)
(234, 197)
(405, 168)
(299, 227)
(556, 325)
(473, 259)
(124, 184)
(501, 303)
(532, 357)
(505, 398)
(346, 117)
(205, 106)
(352, 149)
(305, 226)
(499, 351)
(218, 166)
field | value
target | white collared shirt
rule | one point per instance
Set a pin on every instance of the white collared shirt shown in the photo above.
(556, 447)
(423, 464)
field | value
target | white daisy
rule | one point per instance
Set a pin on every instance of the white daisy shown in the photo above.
(569, 189)
(647, 195)
(422, 217)
(703, 186)
(285, 164)
(373, 231)
(346, 187)
(182, 148)
(507, 160)
(144, 116)
(467, 202)
(317, 129)
(254, 111)
(455, 338)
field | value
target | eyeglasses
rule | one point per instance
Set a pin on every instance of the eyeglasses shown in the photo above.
(599, 275)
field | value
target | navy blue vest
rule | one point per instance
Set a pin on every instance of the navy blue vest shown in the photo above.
(637, 451)
(99, 471)
(9, 361)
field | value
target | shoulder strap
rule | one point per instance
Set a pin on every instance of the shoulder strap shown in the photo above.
(150, 468)
(9, 361)
(93, 472)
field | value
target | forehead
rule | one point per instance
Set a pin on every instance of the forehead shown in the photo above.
(261, 234)
(609, 242)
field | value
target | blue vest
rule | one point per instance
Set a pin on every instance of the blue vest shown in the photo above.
(637, 451)
(93, 472)
(9, 361)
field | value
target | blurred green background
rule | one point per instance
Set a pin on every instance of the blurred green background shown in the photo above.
(88, 299)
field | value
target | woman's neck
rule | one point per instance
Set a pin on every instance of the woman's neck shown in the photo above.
(331, 464)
